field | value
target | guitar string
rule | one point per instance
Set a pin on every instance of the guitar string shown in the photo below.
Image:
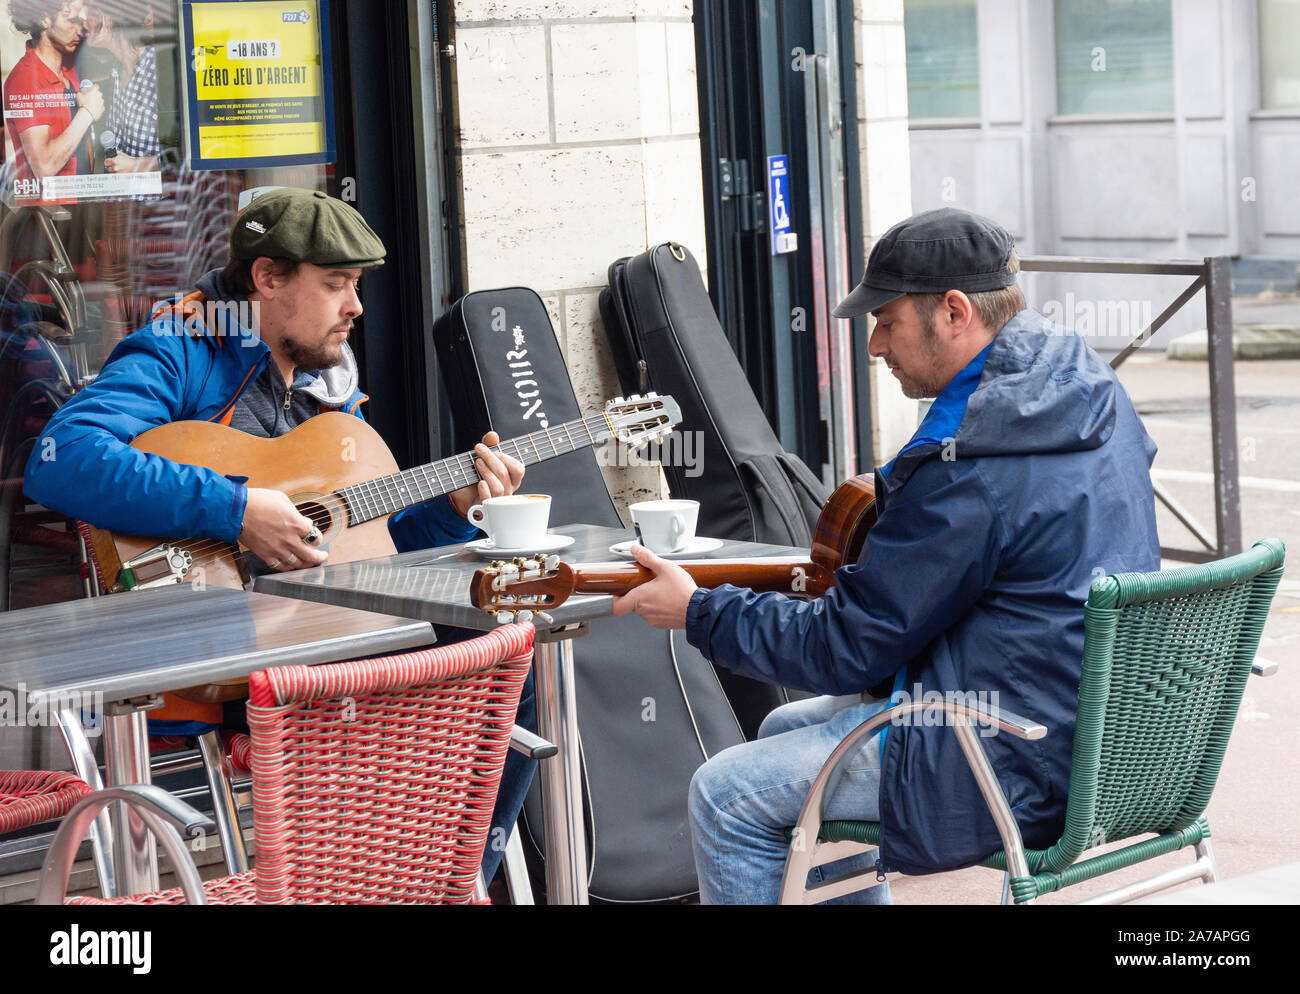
(215, 547)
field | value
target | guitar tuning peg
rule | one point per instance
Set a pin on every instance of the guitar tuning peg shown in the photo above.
(635, 397)
(523, 616)
(552, 563)
(652, 396)
(619, 400)
(505, 617)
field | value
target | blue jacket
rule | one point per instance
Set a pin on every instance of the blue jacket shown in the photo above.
(177, 368)
(1029, 479)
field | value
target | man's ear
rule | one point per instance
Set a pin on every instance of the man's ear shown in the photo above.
(265, 281)
(960, 311)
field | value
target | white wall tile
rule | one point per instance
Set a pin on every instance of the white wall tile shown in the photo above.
(664, 8)
(683, 92)
(519, 10)
(886, 155)
(551, 218)
(501, 85)
(652, 86)
(594, 70)
(883, 87)
(674, 195)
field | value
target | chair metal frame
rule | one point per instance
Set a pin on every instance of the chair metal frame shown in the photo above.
(1061, 865)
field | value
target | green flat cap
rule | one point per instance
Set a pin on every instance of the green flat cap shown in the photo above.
(306, 226)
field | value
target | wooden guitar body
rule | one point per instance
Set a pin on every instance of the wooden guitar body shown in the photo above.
(318, 457)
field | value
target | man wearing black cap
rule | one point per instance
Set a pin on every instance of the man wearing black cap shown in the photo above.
(260, 346)
(1027, 479)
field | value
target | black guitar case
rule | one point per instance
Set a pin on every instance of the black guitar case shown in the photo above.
(650, 707)
(665, 337)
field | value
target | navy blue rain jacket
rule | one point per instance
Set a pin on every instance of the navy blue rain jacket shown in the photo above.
(973, 581)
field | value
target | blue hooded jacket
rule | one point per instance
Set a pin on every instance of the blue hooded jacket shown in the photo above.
(1029, 479)
(190, 363)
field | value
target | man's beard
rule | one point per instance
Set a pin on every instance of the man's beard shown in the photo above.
(919, 389)
(313, 357)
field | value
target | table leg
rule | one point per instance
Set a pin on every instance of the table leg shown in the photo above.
(126, 760)
(562, 810)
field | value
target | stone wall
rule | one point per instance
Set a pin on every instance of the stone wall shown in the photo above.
(578, 144)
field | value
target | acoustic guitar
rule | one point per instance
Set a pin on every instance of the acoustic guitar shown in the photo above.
(523, 587)
(340, 475)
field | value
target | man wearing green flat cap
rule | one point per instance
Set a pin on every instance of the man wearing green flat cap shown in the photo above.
(260, 346)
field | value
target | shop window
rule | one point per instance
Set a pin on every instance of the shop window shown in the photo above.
(1279, 57)
(102, 218)
(1114, 56)
(943, 79)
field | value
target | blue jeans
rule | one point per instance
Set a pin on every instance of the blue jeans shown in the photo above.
(744, 799)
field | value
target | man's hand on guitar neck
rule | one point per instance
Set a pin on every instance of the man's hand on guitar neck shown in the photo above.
(661, 602)
(275, 531)
(499, 476)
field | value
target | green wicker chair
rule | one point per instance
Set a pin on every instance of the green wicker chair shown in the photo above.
(1165, 661)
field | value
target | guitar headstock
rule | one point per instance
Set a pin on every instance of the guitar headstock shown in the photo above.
(517, 589)
(639, 420)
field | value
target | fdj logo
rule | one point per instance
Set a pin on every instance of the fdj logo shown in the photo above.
(295, 17)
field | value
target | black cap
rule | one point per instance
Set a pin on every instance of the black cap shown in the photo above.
(306, 226)
(934, 252)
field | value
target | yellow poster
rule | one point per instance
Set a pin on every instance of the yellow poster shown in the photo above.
(258, 83)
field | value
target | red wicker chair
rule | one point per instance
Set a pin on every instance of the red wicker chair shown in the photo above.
(29, 797)
(373, 781)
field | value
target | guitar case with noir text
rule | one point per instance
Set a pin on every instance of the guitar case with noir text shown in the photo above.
(650, 707)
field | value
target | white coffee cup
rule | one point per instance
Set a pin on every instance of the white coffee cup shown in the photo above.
(665, 526)
(514, 522)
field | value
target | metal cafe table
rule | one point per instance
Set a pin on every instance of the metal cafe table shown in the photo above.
(117, 655)
(434, 585)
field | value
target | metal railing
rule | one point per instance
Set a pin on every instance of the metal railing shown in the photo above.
(1214, 277)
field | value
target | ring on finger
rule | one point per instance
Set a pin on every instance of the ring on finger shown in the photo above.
(293, 558)
(274, 563)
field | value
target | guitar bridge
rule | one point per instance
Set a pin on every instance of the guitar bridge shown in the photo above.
(160, 566)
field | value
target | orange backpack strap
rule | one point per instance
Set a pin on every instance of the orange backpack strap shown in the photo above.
(191, 303)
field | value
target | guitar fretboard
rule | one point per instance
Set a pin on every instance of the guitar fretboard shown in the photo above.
(390, 494)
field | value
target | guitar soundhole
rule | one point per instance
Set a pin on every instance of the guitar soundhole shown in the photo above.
(319, 514)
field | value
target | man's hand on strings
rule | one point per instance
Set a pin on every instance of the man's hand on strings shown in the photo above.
(661, 601)
(499, 476)
(277, 533)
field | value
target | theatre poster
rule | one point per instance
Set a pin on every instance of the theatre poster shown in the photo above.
(258, 83)
(81, 111)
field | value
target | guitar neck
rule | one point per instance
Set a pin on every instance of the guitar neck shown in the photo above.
(789, 576)
(390, 494)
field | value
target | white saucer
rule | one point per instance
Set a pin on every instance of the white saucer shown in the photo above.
(698, 546)
(484, 547)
